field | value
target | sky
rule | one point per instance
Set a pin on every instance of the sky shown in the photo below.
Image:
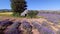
(35, 4)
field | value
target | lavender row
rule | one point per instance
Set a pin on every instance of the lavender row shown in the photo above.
(41, 29)
(14, 28)
(4, 24)
(28, 28)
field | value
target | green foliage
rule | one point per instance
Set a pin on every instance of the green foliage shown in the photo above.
(16, 14)
(18, 6)
(32, 13)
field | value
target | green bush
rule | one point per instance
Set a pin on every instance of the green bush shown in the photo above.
(16, 14)
(32, 14)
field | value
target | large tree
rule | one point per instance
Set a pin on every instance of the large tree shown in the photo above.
(18, 6)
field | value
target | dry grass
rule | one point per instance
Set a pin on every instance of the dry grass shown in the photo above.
(6, 13)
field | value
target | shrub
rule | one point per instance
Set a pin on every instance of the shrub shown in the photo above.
(27, 27)
(15, 14)
(14, 28)
(12, 31)
(5, 23)
(32, 13)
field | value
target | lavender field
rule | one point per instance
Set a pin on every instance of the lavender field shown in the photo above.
(49, 24)
(55, 18)
(52, 18)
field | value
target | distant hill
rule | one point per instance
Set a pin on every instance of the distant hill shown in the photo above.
(5, 10)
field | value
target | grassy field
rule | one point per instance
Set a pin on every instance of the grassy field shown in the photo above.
(6, 13)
